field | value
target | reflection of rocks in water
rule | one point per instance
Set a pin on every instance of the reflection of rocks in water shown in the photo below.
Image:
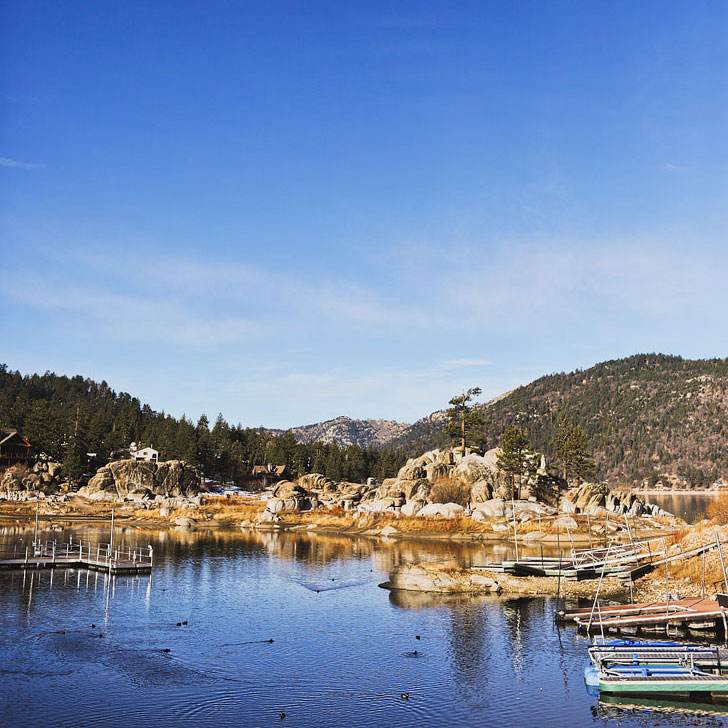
(426, 600)
(470, 646)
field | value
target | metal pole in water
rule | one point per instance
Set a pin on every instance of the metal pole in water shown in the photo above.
(588, 528)
(722, 564)
(35, 534)
(667, 581)
(111, 539)
(596, 596)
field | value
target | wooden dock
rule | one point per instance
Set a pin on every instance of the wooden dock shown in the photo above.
(627, 561)
(695, 613)
(78, 555)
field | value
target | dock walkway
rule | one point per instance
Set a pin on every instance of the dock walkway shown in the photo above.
(78, 554)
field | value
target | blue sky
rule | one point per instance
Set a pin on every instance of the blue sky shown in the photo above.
(288, 211)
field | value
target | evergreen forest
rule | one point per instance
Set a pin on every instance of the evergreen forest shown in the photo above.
(81, 423)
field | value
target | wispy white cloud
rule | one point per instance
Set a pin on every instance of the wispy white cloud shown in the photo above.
(330, 392)
(271, 292)
(14, 163)
(466, 363)
(124, 317)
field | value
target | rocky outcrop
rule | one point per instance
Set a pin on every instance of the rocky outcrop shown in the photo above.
(43, 477)
(438, 484)
(595, 499)
(140, 479)
(440, 578)
(449, 484)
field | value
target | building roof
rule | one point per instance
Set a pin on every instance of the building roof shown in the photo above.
(265, 470)
(7, 436)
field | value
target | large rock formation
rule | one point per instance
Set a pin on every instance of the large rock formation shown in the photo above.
(596, 499)
(43, 477)
(139, 479)
(439, 483)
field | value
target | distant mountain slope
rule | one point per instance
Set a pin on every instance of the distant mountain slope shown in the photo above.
(346, 431)
(647, 415)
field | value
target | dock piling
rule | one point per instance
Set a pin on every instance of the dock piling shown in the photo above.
(722, 563)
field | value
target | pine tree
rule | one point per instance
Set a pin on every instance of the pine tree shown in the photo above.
(516, 457)
(465, 421)
(571, 449)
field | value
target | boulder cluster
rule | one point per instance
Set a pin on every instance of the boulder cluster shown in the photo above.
(451, 483)
(595, 499)
(440, 483)
(44, 477)
(141, 480)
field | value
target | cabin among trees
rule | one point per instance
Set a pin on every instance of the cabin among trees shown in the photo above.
(14, 449)
(264, 474)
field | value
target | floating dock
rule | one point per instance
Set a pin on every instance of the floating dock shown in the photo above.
(694, 614)
(626, 561)
(78, 555)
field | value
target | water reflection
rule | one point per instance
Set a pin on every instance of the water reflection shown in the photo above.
(692, 507)
(232, 627)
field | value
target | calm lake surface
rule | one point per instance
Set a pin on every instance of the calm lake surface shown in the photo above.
(343, 650)
(689, 506)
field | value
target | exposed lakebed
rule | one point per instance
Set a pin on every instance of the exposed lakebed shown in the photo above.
(343, 651)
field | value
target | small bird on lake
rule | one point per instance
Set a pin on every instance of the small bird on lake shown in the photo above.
(405, 696)
(282, 715)
(271, 640)
(417, 637)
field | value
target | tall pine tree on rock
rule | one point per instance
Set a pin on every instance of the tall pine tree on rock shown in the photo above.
(571, 449)
(465, 419)
(516, 457)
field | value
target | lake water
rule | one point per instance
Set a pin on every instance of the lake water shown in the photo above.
(689, 506)
(342, 654)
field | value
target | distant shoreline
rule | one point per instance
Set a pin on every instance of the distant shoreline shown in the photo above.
(677, 492)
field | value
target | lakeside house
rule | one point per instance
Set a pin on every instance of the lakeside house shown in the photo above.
(146, 453)
(14, 449)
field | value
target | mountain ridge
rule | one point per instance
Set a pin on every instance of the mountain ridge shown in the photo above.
(648, 416)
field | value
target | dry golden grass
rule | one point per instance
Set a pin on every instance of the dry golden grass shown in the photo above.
(717, 510)
(677, 537)
(216, 508)
(450, 490)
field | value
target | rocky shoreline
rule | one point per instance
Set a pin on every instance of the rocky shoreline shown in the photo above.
(416, 504)
(444, 578)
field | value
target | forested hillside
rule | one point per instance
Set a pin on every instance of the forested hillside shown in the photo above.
(646, 415)
(67, 418)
